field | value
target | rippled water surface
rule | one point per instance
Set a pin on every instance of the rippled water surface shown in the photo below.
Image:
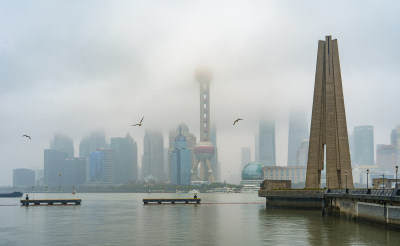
(221, 219)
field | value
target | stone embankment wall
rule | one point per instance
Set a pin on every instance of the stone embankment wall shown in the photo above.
(292, 199)
(375, 206)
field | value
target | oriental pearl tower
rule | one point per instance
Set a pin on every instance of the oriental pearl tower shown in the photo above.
(203, 150)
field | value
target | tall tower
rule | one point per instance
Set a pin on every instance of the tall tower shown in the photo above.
(266, 147)
(328, 123)
(204, 150)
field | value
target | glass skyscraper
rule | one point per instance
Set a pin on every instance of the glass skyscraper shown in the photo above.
(153, 156)
(214, 160)
(63, 143)
(246, 156)
(53, 166)
(364, 145)
(102, 166)
(266, 135)
(180, 162)
(96, 140)
(126, 167)
(190, 143)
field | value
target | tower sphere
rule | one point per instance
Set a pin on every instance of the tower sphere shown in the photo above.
(203, 74)
(204, 150)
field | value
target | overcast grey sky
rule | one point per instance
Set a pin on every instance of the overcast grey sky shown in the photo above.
(78, 66)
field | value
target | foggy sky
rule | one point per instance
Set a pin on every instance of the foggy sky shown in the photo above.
(78, 66)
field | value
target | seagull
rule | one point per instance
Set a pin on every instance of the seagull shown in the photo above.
(27, 136)
(139, 124)
(236, 121)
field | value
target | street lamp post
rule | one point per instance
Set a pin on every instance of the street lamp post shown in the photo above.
(345, 174)
(383, 181)
(367, 177)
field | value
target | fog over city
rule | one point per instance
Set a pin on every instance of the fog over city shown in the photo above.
(74, 67)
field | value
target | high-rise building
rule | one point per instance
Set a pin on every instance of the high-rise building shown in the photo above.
(190, 142)
(266, 133)
(166, 165)
(204, 150)
(153, 155)
(180, 162)
(63, 143)
(328, 123)
(364, 145)
(214, 159)
(126, 167)
(302, 153)
(393, 138)
(246, 157)
(397, 136)
(23, 177)
(257, 147)
(53, 166)
(102, 166)
(386, 157)
(73, 171)
(298, 131)
(39, 175)
(96, 140)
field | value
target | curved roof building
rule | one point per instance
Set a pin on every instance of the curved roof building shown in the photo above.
(253, 171)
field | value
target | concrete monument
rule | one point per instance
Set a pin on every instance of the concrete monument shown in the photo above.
(328, 123)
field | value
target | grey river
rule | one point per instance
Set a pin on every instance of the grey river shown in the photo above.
(221, 219)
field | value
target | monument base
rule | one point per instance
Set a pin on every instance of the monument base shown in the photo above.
(293, 199)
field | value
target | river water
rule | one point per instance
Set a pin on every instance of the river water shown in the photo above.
(221, 219)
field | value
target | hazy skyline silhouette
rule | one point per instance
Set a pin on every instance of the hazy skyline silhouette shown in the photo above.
(76, 67)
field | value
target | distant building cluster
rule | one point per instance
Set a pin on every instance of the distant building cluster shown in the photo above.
(99, 163)
(265, 151)
(116, 162)
(378, 162)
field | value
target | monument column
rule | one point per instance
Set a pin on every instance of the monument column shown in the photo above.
(328, 123)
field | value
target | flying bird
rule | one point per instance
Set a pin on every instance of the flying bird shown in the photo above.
(140, 123)
(236, 121)
(27, 136)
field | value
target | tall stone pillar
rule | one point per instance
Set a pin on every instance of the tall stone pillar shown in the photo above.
(328, 123)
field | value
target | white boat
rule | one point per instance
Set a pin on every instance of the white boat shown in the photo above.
(249, 189)
(194, 191)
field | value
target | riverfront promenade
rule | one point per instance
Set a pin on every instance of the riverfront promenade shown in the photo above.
(380, 206)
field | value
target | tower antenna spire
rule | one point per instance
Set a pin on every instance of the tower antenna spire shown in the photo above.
(204, 150)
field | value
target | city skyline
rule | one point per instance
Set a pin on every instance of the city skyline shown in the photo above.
(107, 72)
(97, 136)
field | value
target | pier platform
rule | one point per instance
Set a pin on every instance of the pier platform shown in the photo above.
(51, 202)
(171, 200)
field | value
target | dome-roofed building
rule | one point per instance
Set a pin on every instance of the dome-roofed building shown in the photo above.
(252, 174)
(252, 171)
